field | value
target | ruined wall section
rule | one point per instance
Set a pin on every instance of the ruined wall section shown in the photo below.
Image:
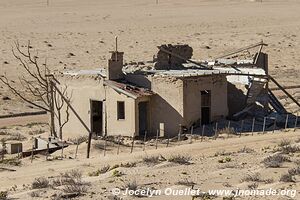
(167, 104)
(193, 86)
(165, 61)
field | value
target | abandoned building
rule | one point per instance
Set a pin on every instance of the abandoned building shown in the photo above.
(176, 92)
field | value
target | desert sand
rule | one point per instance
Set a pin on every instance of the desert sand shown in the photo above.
(76, 34)
(86, 29)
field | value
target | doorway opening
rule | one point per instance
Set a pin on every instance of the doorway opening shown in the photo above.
(143, 118)
(205, 106)
(97, 117)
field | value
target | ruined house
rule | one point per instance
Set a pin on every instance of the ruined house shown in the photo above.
(177, 92)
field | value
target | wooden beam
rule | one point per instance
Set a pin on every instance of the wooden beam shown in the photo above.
(286, 87)
(282, 88)
(241, 49)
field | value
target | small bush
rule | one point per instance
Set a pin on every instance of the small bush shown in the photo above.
(294, 171)
(253, 186)
(11, 161)
(131, 185)
(117, 173)
(186, 182)
(256, 177)
(222, 153)
(180, 159)
(129, 164)
(227, 130)
(275, 161)
(151, 160)
(284, 142)
(287, 178)
(289, 149)
(114, 167)
(34, 194)
(72, 182)
(246, 150)
(3, 195)
(225, 160)
(39, 183)
(103, 170)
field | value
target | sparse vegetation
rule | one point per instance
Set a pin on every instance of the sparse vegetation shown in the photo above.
(225, 160)
(151, 160)
(256, 177)
(222, 153)
(39, 183)
(185, 182)
(275, 161)
(180, 159)
(227, 130)
(287, 178)
(128, 164)
(132, 185)
(117, 173)
(246, 150)
(253, 186)
(35, 194)
(103, 170)
(284, 142)
(72, 182)
(11, 161)
(3, 195)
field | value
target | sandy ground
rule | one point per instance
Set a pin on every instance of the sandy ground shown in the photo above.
(205, 170)
(87, 30)
(23, 120)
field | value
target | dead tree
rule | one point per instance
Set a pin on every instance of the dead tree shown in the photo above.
(59, 105)
(36, 84)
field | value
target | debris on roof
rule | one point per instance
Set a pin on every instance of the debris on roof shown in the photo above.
(128, 89)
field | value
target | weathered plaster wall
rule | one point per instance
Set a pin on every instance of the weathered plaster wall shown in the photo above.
(82, 89)
(167, 104)
(192, 97)
(126, 127)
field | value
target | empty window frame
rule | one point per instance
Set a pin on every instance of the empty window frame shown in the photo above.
(121, 110)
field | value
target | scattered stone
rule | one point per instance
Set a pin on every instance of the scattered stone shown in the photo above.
(6, 98)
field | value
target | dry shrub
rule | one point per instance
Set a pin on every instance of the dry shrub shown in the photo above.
(132, 185)
(11, 161)
(253, 186)
(80, 139)
(128, 165)
(287, 178)
(227, 130)
(256, 177)
(151, 160)
(289, 149)
(284, 142)
(186, 182)
(72, 182)
(222, 153)
(294, 171)
(34, 194)
(39, 183)
(180, 159)
(246, 150)
(103, 170)
(3, 195)
(275, 161)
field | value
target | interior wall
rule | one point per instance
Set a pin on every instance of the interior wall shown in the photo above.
(193, 86)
